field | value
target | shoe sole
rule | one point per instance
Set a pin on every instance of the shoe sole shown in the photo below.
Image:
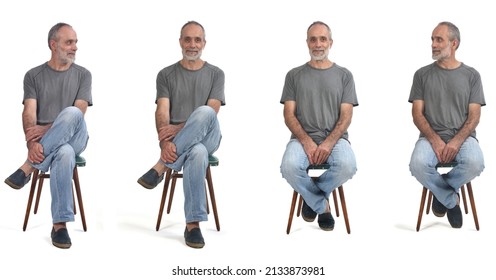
(61, 245)
(195, 245)
(326, 228)
(438, 214)
(306, 219)
(12, 185)
(145, 185)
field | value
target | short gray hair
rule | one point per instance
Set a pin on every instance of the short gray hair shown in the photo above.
(53, 33)
(321, 23)
(453, 31)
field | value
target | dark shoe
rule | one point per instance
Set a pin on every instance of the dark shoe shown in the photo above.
(455, 217)
(18, 179)
(61, 239)
(151, 179)
(326, 221)
(194, 238)
(438, 208)
(307, 213)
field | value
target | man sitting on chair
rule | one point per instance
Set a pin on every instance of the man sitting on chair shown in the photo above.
(447, 97)
(318, 99)
(56, 96)
(189, 95)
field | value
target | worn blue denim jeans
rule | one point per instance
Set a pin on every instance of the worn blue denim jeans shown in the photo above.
(445, 186)
(199, 138)
(315, 193)
(62, 142)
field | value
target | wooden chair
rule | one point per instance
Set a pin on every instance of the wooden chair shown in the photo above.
(174, 175)
(334, 195)
(464, 198)
(38, 179)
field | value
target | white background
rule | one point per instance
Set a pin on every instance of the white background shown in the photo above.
(125, 43)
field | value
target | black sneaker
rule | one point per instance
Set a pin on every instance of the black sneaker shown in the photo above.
(151, 179)
(194, 238)
(438, 208)
(455, 217)
(326, 221)
(307, 213)
(18, 179)
(61, 239)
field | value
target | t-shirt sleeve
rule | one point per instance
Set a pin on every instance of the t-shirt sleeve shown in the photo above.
(29, 87)
(84, 92)
(218, 87)
(477, 92)
(349, 91)
(161, 84)
(288, 91)
(416, 92)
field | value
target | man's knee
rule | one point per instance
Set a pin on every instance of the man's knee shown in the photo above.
(70, 114)
(349, 168)
(205, 112)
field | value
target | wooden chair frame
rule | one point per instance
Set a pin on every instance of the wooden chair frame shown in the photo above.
(171, 175)
(464, 199)
(334, 195)
(37, 181)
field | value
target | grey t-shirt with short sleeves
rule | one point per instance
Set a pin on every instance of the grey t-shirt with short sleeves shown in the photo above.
(318, 94)
(56, 90)
(446, 94)
(188, 90)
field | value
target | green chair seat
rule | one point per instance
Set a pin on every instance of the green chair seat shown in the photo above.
(213, 160)
(80, 161)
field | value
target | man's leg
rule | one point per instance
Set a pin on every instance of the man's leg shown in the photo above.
(470, 164)
(201, 127)
(423, 167)
(342, 167)
(195, 204)
(294, 169)
(66, 138)
(68, 127)
(446, 199)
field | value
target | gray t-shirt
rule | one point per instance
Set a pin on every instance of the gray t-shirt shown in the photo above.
(188, 90)
(318, 94)
(56, 90)
(446, 95)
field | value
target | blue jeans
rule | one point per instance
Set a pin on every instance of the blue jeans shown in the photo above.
(315, 193)
(199, 138)
(446, 186)
(62, 142)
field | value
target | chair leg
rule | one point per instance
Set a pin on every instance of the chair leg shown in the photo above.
(77, 187)
(472, 204)
(30, 198)
(175, 175)
(335, 199)
(41, 179)
(164, 197)
(212, 197)
(421, 210)
(291, 211)
(429, 202)
(464, 198)
(300, 203)
(343, 206)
